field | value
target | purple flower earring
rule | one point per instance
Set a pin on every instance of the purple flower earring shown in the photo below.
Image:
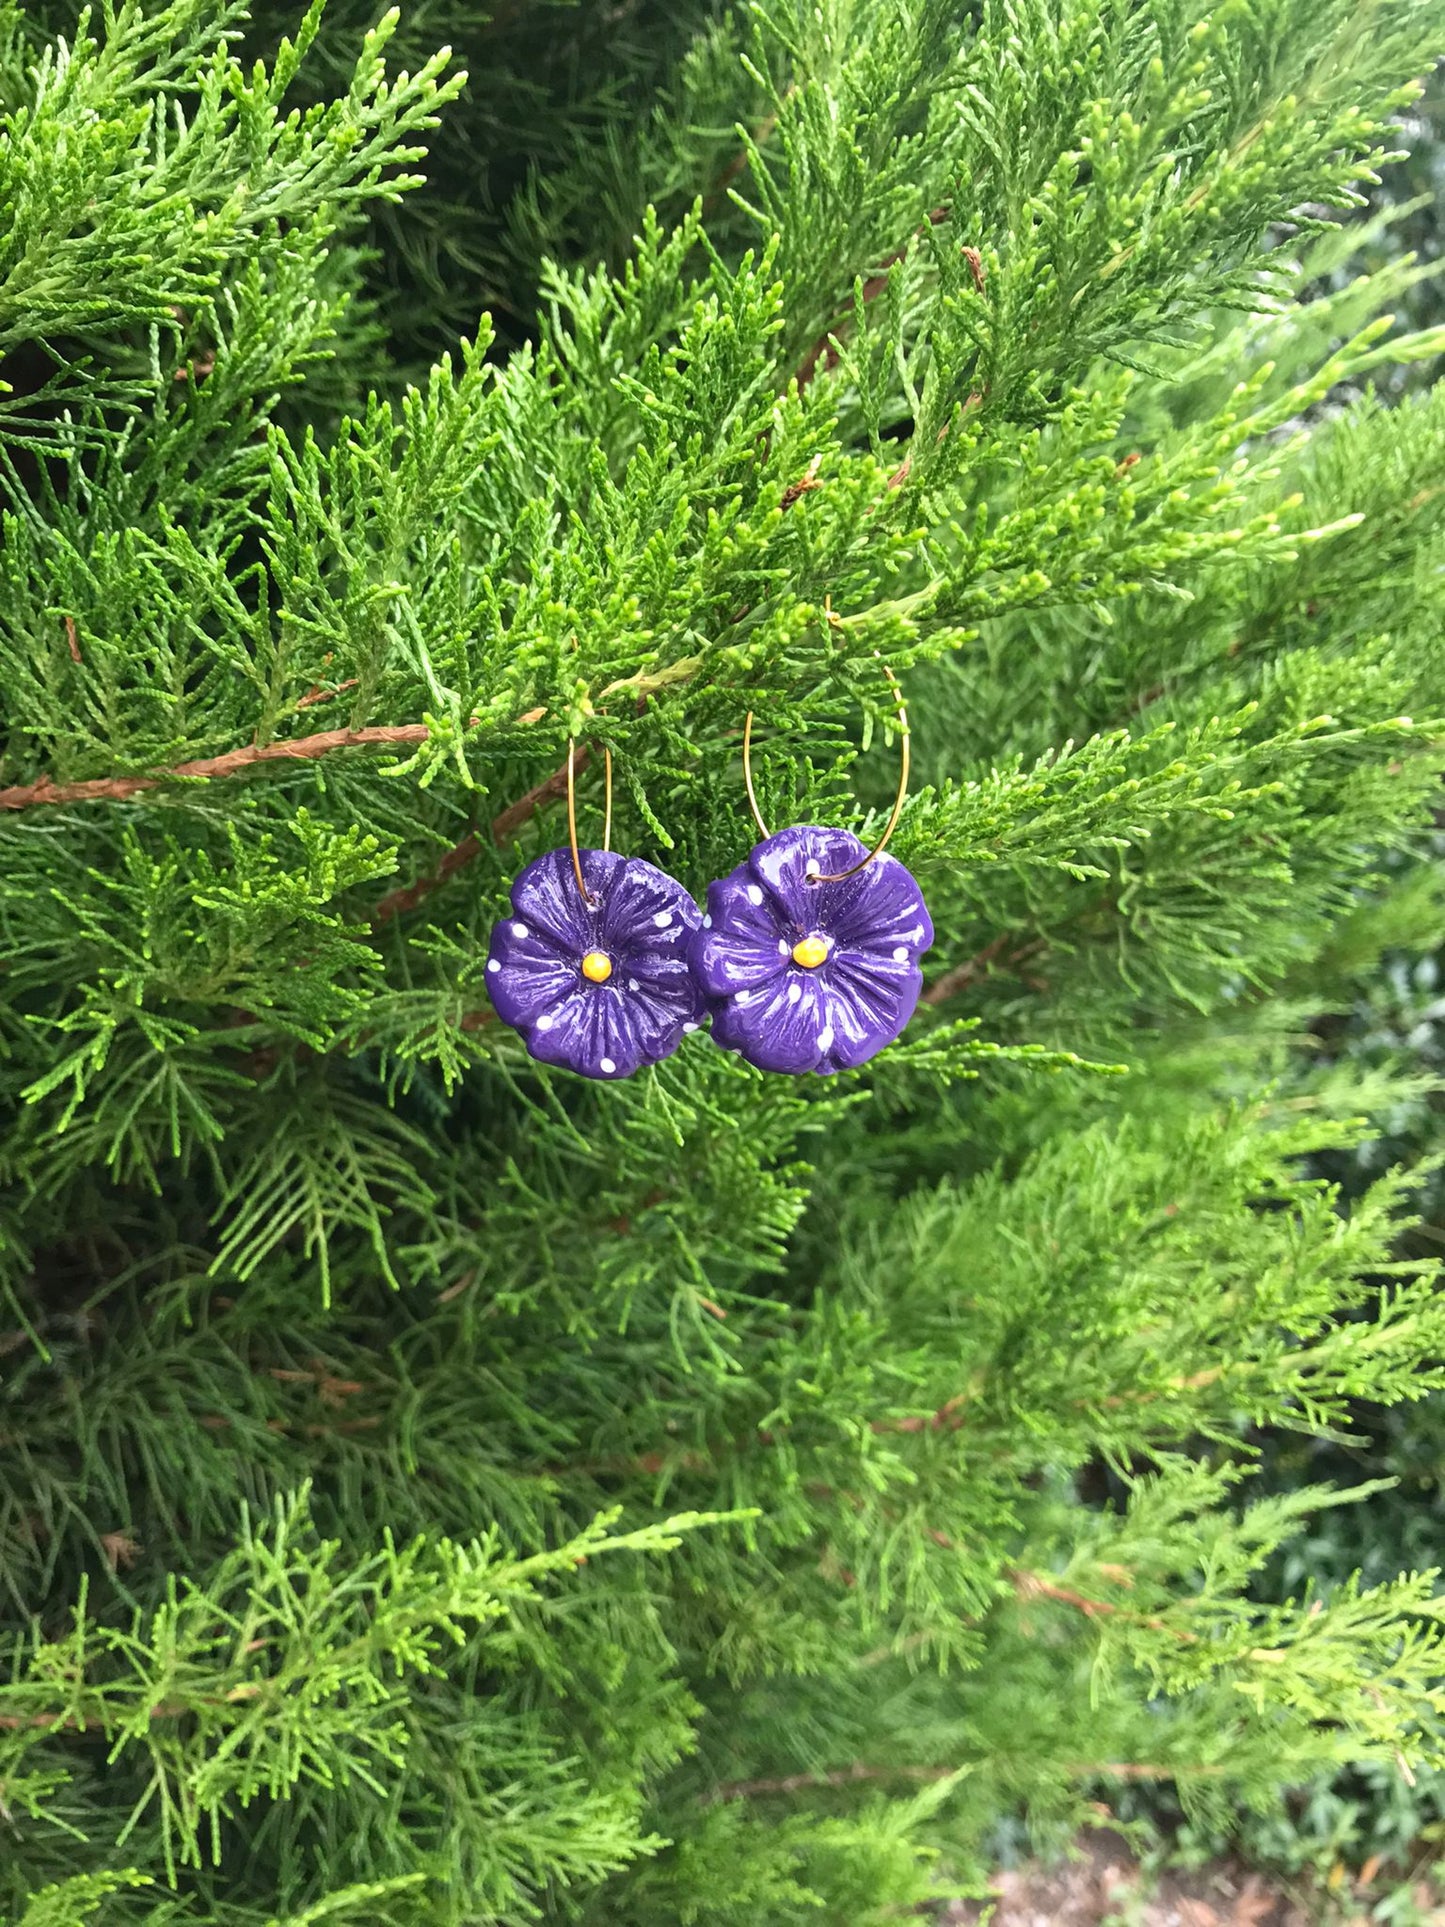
(808, 954)
(591, 965)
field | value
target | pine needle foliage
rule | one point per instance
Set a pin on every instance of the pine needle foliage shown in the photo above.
(439, 1491)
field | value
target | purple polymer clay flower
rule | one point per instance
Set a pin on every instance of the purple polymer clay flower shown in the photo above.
(602, 987)
(811, 976)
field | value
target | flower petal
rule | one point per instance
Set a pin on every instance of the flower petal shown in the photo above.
(547, 902)
(746, 944)
(606, 1033)
(881, 906)
(640, 919)
(645, 912)
(782, 864)
(872, 996)
(881, 909)
(830, 1019)
(526, 974)
(834, 1015)
(667, 981)
(777, 1026)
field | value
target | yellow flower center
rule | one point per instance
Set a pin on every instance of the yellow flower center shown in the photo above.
(810, 952)
(597, 966)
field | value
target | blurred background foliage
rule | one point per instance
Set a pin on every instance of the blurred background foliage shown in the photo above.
(1388, 1824)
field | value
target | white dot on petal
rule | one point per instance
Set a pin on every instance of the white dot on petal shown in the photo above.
(782, 946)
(608, 1065)
(825, 1037)
(662, 919)
(493, 965)
(546, 1022)
(795, 991)
(688, 1029)
(900, 955)
(519, 930)
(812, 867)
(632, 984)
(755, 894)
(707, 923)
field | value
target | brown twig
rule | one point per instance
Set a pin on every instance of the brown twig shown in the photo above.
(411, 894)
(952, 981)
(119, 1549)
(73, 640)
(836, 1776)
(947, 1418)
(316, 694)
(506, 824)
(859, 1773)
(997, 952)
(1037, 1585)
(504, 827)
(737, 162)
(303, 749)
(823, 353)
(1033, 1585)
(167, 1710)
(804, 484)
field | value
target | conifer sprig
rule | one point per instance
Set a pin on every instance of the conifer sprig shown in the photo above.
(939, 335)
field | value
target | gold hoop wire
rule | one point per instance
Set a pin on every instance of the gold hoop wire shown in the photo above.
(587, 896)
(898, 801)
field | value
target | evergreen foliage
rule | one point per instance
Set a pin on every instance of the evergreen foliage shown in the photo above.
(437, 1490)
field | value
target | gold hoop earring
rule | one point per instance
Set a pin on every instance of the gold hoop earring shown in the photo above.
(601, 986)
(587, 896)
(808, 955)
(899, 800)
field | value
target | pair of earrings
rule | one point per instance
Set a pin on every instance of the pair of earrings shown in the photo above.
(806, 959)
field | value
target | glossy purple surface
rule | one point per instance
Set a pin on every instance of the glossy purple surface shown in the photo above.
(781, 1015)
(640, 920)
